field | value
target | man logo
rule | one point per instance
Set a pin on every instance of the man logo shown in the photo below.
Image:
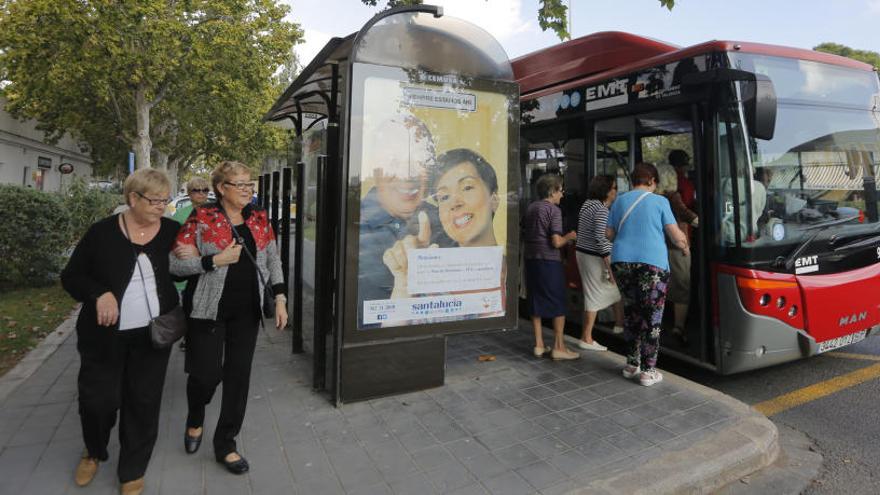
(854, 318)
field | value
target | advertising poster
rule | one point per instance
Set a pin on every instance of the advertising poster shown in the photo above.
(432, 160)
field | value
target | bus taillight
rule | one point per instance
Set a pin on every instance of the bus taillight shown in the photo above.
(773, 298)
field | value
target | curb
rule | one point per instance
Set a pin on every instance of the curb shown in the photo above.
(748, 445)
(35, 358)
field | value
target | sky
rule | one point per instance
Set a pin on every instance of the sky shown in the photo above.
(801, 24)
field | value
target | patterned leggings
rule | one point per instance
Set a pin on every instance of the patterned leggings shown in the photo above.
(643, 288)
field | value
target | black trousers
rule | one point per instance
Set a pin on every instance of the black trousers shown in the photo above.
(220, 351)
(129, 379)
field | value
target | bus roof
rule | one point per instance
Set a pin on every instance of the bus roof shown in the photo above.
(609, 54)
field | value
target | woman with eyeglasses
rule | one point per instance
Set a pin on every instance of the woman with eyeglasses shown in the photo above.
(119, 271)
(224, 304)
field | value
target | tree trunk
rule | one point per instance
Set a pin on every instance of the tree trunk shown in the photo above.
(174, 173)
(142, 144)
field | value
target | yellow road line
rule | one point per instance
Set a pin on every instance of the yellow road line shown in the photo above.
(818, 390)
(851, 355)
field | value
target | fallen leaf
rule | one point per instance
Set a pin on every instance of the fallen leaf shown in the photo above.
(486, 357)
(847, 461)
(35, 329)
(11, 335)
(12, 324)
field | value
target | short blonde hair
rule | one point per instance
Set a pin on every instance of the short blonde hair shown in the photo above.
(146, 180)
(225, 170)
(197, 182)
(668, 179)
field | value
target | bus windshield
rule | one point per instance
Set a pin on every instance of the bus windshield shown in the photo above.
(818, 170)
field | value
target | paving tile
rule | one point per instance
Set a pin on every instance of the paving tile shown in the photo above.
(508, 483)
(432, 457)
(540, 475)
(472, 489)
(577, 415)
(375, 489)
(627, 419)
(688, 421)
(532, 409)
(554, 422)
(485, 466)
(602, 407)
(539, 392)
(562, 386)
(546, 446)
(466, 448)
(562, 488)
(416, 484)
(516, 456)
(581, 396)
(557, 403)
(450, 477)
(651, 432)
(416, 439)
(569, 462)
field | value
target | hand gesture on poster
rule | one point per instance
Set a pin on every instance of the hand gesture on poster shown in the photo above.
(395, 256)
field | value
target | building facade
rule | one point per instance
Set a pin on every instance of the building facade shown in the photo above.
(26, 159)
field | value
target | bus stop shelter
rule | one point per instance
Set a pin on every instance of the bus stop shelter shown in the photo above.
(407, 199)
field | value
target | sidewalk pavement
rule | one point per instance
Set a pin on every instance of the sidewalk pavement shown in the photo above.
(517, 425)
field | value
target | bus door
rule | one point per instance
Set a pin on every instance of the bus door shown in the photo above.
(651, 137)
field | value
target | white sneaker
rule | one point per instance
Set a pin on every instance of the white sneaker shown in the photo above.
(650, 377)
(617, 330)
(594, 346)
(540, 351)
(630, 372)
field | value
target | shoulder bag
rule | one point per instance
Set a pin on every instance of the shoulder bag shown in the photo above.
(165, 329)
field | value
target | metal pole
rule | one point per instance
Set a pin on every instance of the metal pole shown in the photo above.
(297, 338)
(276, 186)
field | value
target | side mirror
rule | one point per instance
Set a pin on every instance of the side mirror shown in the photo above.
(759, 102)
(758, 95)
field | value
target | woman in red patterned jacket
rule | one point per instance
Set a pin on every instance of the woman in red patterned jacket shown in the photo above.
(224, 306)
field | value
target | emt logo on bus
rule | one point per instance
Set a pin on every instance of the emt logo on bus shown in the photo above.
(606, 95)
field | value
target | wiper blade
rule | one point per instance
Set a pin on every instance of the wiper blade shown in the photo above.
(788, 262)
(858, 243)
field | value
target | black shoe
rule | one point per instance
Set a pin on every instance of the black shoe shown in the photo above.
(240, 466)
(191, 444)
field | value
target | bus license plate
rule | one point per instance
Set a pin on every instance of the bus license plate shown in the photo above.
(842, 341)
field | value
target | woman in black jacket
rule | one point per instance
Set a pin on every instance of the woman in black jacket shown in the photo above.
(119, 271)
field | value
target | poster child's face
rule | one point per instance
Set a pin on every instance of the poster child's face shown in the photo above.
(466, 206)
(400, 197)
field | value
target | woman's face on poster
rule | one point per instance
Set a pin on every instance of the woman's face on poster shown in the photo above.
(466, 206)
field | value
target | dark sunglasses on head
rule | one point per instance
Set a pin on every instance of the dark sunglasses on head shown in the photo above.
(203, 191)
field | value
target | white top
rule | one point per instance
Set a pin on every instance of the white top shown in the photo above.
(133, 311)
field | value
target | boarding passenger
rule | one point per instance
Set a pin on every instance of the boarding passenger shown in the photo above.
(679, 263)
(594, 259)
(545, 276)
(640, 262)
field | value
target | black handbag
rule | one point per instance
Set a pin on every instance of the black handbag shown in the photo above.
(268, 302)
(165, 329)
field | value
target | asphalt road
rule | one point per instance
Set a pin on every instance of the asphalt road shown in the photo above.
(845, 425)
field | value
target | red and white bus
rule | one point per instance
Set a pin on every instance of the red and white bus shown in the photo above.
(784, 146)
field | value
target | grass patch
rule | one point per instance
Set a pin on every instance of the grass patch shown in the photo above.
(28, 315)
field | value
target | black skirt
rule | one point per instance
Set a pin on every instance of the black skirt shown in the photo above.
(545, 286)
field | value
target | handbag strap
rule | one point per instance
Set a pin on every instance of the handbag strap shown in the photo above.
(138, 264)
(632, 206)
(247, 251)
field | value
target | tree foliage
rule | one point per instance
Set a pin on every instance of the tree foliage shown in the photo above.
(552, 14)
(866, 56)
(191, 77)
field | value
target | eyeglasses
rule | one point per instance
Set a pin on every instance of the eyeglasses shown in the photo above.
(203, 191)
(155, 202)
(241, 186)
